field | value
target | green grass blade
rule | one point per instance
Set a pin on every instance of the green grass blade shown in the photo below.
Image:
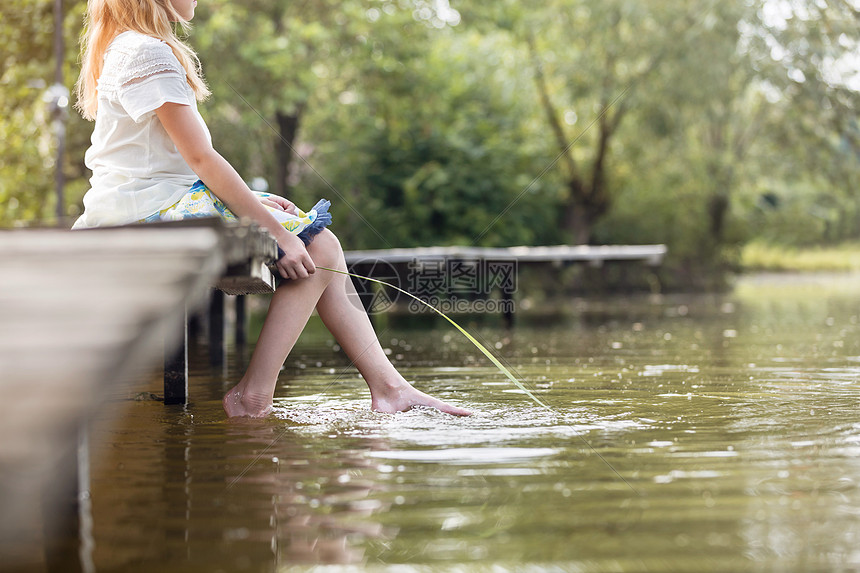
(474, 341)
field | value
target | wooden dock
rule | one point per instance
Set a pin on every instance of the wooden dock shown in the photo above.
(594, 255)
(456, 275)
(83, 309)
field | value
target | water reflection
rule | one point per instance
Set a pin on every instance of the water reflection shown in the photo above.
(733, 420)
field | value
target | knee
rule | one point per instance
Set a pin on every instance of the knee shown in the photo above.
(325, 250)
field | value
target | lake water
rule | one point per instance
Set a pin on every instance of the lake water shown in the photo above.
(686, 433)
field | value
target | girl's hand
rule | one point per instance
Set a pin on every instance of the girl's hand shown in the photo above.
(279, 203)
(296, 262)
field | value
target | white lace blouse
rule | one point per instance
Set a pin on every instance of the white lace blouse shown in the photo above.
(137, 170)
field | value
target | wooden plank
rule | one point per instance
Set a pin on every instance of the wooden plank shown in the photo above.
(80, 310)
(217, 354)
(650, 254)
(249, 277)
(176, 363)
(247, 248)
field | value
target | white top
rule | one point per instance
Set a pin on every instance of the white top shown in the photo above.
(137, 170)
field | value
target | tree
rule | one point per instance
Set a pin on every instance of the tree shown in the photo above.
(592, 63)
(268, 59)
(27, 157)
(457, 163)
(806, 59)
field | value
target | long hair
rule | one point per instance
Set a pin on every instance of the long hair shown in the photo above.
(106, 19)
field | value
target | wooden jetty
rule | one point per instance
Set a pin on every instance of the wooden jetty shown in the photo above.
(83, 309)
(594, 255)
(448, 273)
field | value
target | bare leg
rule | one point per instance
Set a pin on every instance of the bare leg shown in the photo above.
(352, 328)
(289, 311)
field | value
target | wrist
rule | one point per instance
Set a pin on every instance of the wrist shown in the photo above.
(286, 239)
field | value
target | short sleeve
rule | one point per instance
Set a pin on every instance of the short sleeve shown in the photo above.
(150, 79)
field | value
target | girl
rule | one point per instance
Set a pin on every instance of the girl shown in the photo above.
(150, 145)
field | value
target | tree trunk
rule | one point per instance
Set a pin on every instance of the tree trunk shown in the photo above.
(577, 222)
(585, 206)
(288, 129)
(718, 206)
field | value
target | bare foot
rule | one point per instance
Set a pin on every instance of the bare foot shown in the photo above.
(404, 397)
(237, 404)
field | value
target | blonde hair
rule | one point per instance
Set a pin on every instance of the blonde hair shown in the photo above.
(106, 19)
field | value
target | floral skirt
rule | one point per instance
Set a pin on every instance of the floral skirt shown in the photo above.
(201, 202)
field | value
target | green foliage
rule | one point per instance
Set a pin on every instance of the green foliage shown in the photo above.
(804, 190)
(761, 256)
(28, 153)
(438, 166)
(702, 125)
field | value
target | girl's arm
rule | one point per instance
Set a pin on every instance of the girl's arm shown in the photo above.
(190, 139)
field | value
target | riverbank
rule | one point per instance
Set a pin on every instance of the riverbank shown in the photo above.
(757, 257)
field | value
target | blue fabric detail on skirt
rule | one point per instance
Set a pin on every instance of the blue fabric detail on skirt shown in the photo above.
(322, 221)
